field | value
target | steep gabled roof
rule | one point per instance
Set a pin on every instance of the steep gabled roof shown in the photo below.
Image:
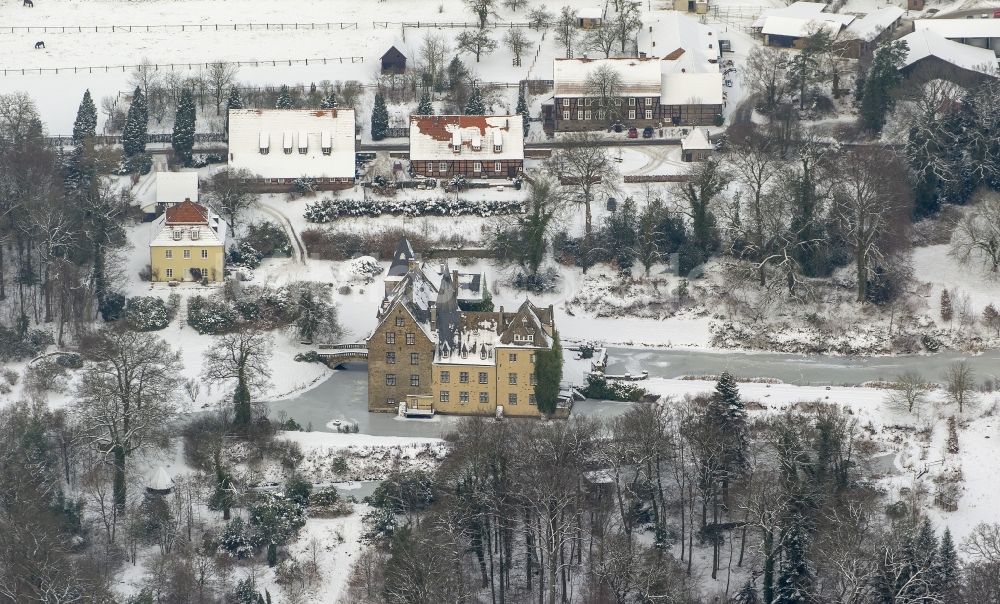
(531, 319)
(187, 212)
(393, 53)
(401, 258)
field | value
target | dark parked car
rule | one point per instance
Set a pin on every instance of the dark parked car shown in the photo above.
(647, 132)
(618, 127)
(633, 133)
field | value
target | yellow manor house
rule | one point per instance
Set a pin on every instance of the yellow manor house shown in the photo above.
(427, 355)
(189, 245)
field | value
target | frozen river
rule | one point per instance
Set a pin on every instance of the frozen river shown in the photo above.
(344, 395)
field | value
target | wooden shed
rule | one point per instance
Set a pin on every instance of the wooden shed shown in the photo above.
(393, 61)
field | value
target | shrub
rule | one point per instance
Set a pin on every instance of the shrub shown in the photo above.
(146, 313)
(16, 346)
(268, 239)
(310, 356)
(598, 387)
(69, 360)
(298, 489)
(243, 254)
(211, 315)
(238, 540)
(44, 375)
(111, 307)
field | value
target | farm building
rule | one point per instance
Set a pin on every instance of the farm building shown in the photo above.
(282, 146)
(788, 26)
(576, 106)
(864, 35)
(589, 18)
(474, 146)
(929, 57)
(167, 189)
(981, 33)
(696, 146)
(393, 61)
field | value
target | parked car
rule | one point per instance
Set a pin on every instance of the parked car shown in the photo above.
(647, 132)
(633, 133)
(618, 127)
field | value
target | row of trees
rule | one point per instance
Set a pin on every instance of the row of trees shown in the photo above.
(778, 509)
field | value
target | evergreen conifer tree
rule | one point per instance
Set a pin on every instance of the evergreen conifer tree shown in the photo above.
(85, 125)
(796, 575)
(548, 374)
(475, 105)
(425, 107)
(134, 134)
(380, 118)
(184, 124)
(241, 406)
(882, 79)
(235, 102)
(522, 110)
(284, 99)
(329, 102)
(945, 571)
(947, 311)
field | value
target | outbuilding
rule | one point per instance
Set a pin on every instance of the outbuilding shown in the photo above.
(696, 146)
(393, 61)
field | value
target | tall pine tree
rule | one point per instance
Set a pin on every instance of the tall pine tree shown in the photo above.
(522, 110)
(134, 134)
(235, 102)
(424, 107)
(475, 105)
(945, 572)
(184, 124)
(380, 118)
(284, 99)
(883, 78)
(796, 576)
(85, 125)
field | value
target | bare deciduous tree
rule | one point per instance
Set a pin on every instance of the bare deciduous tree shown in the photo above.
(566, 32)
(126, 394)
(977, 235)
(765, 74)
(518, 43)
(587, 168)
(910, 391)
(220, 77)
(476, 42)
(870, 208)
(230, 193)
(244, 356)
(960, 385)
(432, 51)
(603, 86)
(601, 39)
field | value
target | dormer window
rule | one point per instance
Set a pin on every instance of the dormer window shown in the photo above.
(497, 141)
(177, 234)
(195, 234)
(477, 142)
(264, 143)
(456, 142)
(303, 143)
(286, 143)
(326, 143)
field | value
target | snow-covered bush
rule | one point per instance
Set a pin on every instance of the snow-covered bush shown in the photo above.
(69, 360)
(268, 239)
(329, 209)
(146, 313)
(238, 540)
(111, 307)
(211, 315)
(14, 346)
(366, 268)
(243, 254)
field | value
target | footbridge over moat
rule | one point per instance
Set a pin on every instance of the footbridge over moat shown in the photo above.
(335, 355)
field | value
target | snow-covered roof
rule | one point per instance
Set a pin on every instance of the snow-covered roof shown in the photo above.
(294, 140)
(159, 480)
(680, 40)
(211, 232)
(954, 29)
(433, 137)
(640, 77)
(175, 187)
(590, 12)
(924, 43)
(697, 140)
(796, 9)
(797, 27)
(875, 22)
(692, 89)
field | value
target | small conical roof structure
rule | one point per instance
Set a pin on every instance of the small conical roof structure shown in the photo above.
(160, 483)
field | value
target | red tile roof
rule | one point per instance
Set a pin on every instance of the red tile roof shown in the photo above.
(187, 212)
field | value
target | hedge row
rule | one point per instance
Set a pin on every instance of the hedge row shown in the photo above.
(328, 209)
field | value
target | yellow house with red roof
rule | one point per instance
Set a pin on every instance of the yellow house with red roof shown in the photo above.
(189, 245)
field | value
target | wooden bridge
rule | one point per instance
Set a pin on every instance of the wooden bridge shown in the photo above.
(335, 355)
